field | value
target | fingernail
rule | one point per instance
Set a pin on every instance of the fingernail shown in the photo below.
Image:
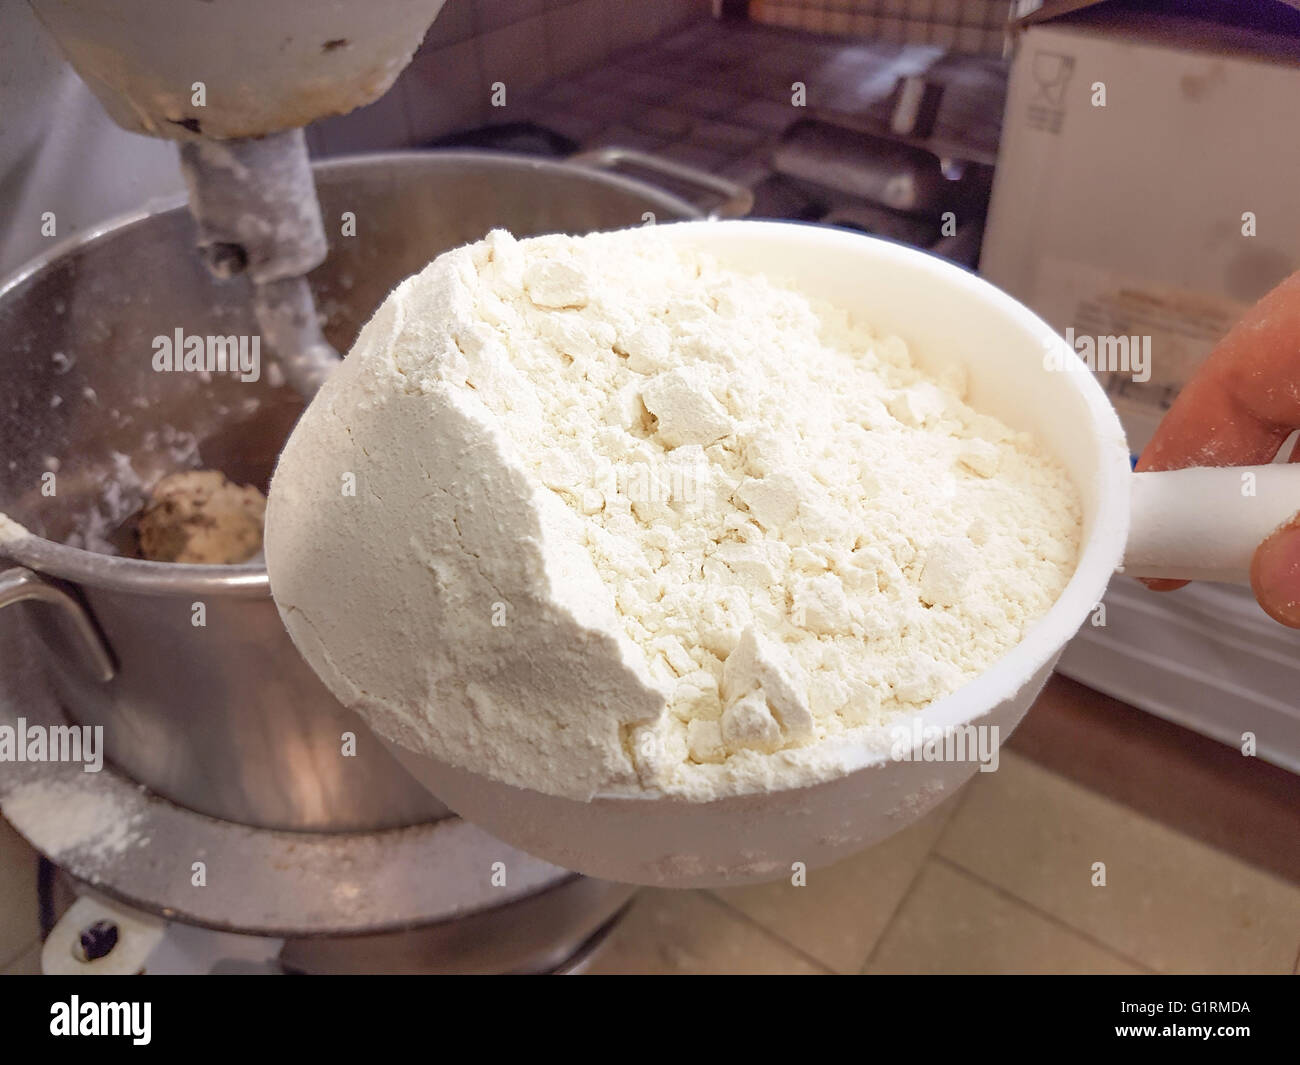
(1275, 575)
(1161, 584)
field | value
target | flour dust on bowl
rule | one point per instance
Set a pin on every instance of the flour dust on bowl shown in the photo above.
(659, 553)
(224, 719)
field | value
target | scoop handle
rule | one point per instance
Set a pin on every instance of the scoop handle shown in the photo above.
(1204, 523)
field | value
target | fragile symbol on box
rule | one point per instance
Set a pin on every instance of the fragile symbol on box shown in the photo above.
(1051, 72)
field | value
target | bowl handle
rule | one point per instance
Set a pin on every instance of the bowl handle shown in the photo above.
(19, 584)
(1204, 523)
(737, 200)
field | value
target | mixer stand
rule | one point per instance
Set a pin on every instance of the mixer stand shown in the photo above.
(413, 899)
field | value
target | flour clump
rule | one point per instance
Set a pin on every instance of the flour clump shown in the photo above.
(627, 517)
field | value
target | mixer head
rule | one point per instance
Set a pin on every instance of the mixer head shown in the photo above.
(234, 83)
(235, 69)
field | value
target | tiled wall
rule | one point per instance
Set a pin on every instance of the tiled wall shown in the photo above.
(973, 27)
(475, 43)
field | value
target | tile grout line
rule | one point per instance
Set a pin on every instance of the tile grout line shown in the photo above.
(19, 953)
(1182, 835)
(1051, 917)
(962, 796)
(1161, 820)
(745, 918)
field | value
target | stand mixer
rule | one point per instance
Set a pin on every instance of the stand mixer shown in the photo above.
(317, 862)
(233, 84)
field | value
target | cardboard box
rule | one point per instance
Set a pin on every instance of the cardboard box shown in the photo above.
(1163, 208)
(1126, 221)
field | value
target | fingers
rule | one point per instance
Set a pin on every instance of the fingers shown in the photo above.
(1275, 574)
(1161, 584)
(1238, 411)
(1245, 400)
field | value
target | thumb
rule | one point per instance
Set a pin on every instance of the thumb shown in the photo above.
(1275, 574)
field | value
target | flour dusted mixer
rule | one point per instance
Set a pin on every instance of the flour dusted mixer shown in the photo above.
(243, 817)
(233, 84)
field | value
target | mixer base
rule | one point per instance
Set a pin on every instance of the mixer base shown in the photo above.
(440, 896)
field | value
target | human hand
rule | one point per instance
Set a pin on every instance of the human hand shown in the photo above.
(1238, 410)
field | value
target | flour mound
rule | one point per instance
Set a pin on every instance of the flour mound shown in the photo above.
(627, 517)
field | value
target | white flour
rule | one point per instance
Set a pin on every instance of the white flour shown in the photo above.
(65, 819)
(627, 517)
(10, 529)
(124, 486)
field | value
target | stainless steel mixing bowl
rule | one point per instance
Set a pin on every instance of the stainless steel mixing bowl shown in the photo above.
(223, 717)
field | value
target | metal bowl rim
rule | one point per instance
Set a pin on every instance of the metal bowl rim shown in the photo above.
(249, 579)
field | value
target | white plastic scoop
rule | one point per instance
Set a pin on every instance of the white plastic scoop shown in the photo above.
(1196, 523)
(1204, 523)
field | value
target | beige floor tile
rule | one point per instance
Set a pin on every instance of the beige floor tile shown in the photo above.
(842, 910)
(1171, 902)
(28, 963)
(19, 919)
(683, 932)
(950, 922)
(1188, 782)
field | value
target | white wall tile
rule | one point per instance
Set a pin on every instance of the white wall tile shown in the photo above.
(515, 55)
(577, 37)
(631, 24)
(455, 22)
(491, 15)
(444, 91)
(380, 126)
